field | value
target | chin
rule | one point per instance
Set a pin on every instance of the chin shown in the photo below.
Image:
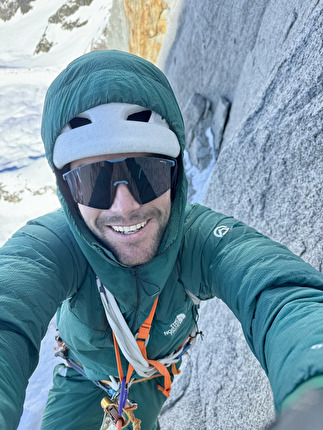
(132, 260)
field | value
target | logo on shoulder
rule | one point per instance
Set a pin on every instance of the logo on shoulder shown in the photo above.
(221, 231)
(175, 325)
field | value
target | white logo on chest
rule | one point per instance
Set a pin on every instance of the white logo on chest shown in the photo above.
(175, 325)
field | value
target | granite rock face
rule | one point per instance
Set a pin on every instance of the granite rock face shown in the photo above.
(258, 64)
(147, 23)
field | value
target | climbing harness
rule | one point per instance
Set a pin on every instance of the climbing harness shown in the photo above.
(143, 335)
(123, 396)
(118, 408)
(114, 404)
(127, 341)
(134, 347)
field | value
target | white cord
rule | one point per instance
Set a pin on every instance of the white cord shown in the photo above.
(125, 338)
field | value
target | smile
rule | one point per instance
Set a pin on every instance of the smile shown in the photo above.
(129, 229)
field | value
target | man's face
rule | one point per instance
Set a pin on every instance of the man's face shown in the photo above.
(131, 231)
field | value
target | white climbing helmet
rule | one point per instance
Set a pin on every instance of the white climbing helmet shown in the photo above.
(114, 128)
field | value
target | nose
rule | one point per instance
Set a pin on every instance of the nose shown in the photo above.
(124, 202)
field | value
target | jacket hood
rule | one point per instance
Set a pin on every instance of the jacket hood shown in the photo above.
(102, 77)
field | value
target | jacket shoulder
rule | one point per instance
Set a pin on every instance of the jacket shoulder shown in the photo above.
(48, 243)
(54, 221)
(54, 228)
(203, 231)
(201, 221)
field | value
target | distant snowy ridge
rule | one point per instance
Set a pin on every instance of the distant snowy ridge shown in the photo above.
(38, 33)
(9, 8)
(60, 29)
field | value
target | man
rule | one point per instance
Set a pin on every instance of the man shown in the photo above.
(126, 254)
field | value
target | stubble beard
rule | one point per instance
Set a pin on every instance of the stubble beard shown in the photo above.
(136, 253)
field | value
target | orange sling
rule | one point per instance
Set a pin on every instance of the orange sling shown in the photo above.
(143, 334)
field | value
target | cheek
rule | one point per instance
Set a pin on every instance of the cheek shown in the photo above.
(88, 214)
(166, 199)
(164, 202)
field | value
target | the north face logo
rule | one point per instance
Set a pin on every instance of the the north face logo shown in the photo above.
(175, 325)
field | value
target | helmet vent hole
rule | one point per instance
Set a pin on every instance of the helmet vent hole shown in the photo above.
(142, 116)
(79, 122)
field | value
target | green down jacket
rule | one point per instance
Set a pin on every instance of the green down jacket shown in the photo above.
(51, 264)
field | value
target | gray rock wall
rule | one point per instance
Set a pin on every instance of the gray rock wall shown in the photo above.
(257, 66)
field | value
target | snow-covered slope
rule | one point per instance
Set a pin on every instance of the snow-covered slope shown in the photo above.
(52, 33)
(27, 186)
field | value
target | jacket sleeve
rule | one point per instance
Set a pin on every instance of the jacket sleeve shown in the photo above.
(37, 272)
(277, 297)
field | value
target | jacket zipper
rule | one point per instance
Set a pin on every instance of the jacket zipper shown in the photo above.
(135, 274)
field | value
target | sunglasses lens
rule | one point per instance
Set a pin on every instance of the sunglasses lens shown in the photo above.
(95, 185)
(150, 177)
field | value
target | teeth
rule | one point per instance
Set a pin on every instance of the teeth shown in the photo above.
(129, 229)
